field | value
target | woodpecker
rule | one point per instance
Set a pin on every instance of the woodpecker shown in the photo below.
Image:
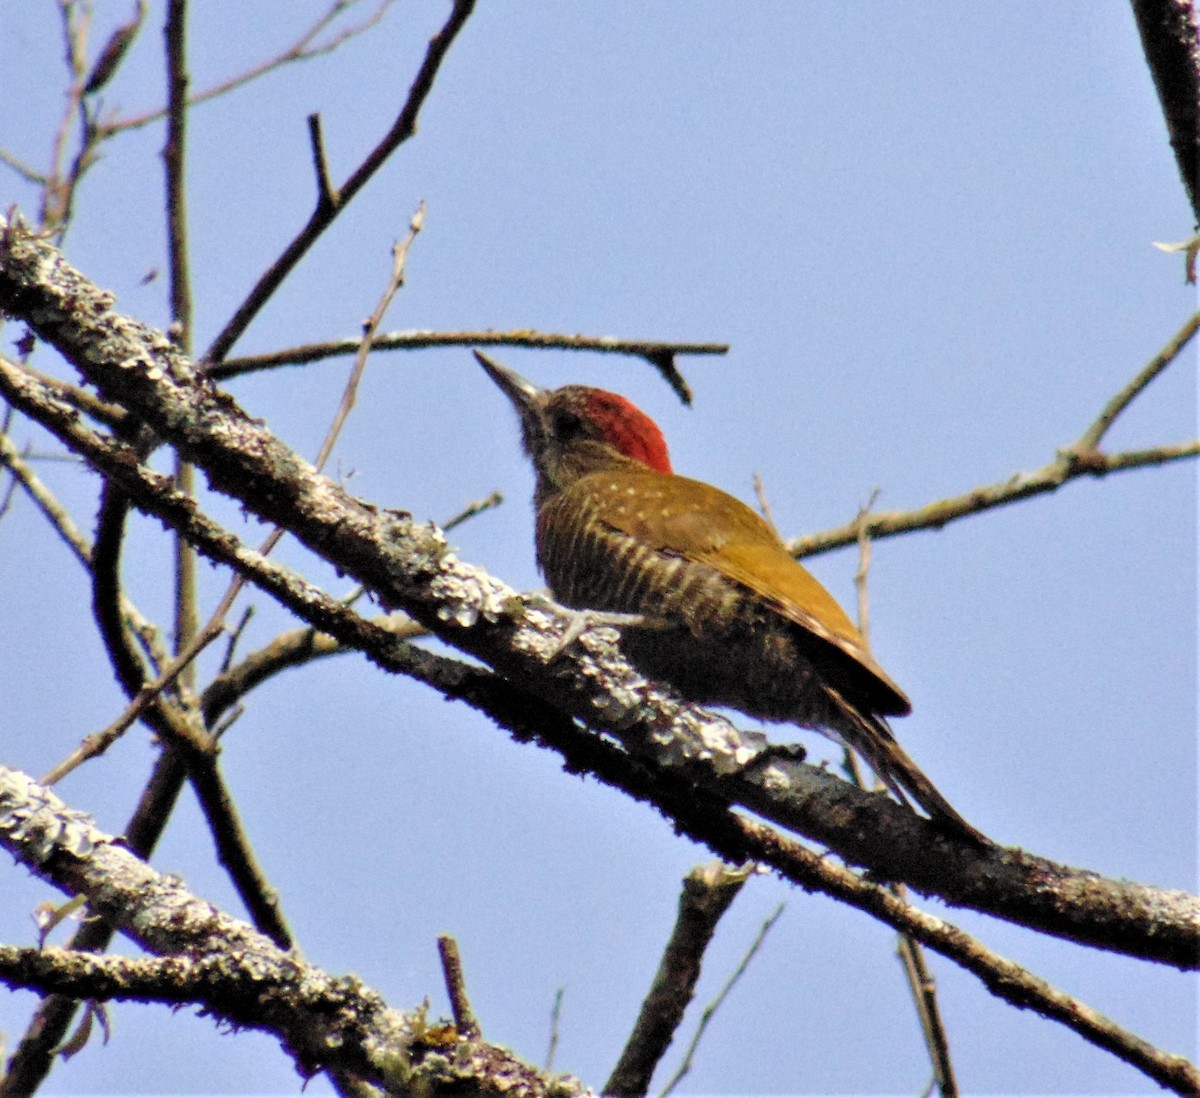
(724, 613)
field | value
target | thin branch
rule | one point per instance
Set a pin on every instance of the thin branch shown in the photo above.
(323, 215)
(764, 504)
(114, 50)
(201, 638)
(174, 166)
(60, 520)
(56, 196)
(399, 256)
(236, 854)
(418, 340)
(707, 892)
(456, 988)
(863, 570)
(326, 196)
(712, 1008)
(474, 508)
(30, 175)
(929, 1011)
(301, 50)
(235, 637)
(176, 724)
(933, 516)
(921, 984)
(555, 1021)
(111, 415)
(294, 648)
(1091, 438)
(147, 693)
(1078, 459)
(1003, 978)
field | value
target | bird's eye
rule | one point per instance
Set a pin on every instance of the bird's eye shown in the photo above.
(567, 424)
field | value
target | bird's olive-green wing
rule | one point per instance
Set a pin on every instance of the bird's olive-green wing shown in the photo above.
(702, 523)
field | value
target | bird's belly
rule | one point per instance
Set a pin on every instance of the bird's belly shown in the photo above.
(707, 636)
(759, 671)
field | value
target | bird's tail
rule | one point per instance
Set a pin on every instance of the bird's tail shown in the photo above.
(871, 737)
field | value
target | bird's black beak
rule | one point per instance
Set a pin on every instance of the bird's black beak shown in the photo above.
(522, 392)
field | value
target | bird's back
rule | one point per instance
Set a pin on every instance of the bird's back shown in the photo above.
(740, 623)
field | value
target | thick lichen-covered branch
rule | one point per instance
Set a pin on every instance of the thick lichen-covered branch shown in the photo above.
(212, 960)
(409, 565)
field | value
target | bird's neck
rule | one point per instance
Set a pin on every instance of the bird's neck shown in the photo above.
(567, 466)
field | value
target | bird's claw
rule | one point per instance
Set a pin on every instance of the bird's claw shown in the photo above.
(580, 621)
(776, 752)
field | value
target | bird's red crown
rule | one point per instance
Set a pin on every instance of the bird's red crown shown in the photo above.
(627, 428)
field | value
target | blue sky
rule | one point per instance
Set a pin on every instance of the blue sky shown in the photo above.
(926, 232)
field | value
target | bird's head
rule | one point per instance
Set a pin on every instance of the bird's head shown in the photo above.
(576, 430)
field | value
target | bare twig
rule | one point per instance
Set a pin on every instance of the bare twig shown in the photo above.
(863, 570)
(97, 743)
(929, 1011)
(1078, 459)
(555, 1022)
(302, 49)
(423, 340)
(764, 504)
(402, 129)
(111, 415)
(234, 637)
(178, 725)
(187, 618)
(57, 194)
(475, 507)
(708, 890)
(1091, 438)
(58, 517)
(236, 853)
(326, 195)
(920, 981)
(114, 50)
(712, 1008)
(30, 175)
(456, 987)
(399, 255)
(199, 639)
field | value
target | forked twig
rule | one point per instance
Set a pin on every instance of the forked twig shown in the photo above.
(300, 50)
(1078, 459)
(404, 126)
(711, 1009)
(707, 892)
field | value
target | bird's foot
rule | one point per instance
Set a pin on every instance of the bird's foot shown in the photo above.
(580, 621)
(777, 752)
